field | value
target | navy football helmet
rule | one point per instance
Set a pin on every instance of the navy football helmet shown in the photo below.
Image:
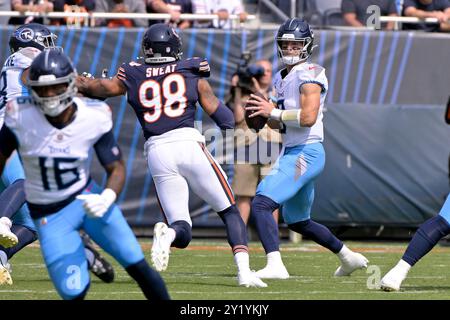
(161, 44)
(297, 30)
(52, 67)
(32, 35)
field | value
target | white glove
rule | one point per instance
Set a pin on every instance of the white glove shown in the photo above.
(95, 204)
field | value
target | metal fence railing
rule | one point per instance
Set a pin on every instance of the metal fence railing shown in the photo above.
(88, 19)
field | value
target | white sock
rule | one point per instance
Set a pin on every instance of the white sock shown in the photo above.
(3, 258)
(242, 261)
(403, 266)
(344, 252)
(171, 234)
(89, 256)
(274, 257)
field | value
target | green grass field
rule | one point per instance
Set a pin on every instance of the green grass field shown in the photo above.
(206, 271)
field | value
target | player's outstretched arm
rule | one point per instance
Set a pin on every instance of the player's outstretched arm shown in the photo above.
(215, 108)
(103, 88)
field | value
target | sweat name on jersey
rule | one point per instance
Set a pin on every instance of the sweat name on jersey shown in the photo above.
(160, 71)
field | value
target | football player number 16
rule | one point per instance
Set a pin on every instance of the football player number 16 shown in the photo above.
(173, 89)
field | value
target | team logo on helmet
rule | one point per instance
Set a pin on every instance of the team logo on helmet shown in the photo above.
(26, 35)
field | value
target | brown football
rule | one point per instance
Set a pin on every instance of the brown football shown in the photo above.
(258, 122)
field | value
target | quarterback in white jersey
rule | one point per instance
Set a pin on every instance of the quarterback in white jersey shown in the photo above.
(54, 134)
(301, 88)
(288, 96)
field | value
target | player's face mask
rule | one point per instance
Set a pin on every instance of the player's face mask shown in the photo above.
(292, 52)
(55, 98)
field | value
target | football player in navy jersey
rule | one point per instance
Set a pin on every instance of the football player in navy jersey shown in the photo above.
(16, 226)
(163, 91)
(54, 133)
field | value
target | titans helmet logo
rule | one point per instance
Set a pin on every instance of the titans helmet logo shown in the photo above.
(26, 35)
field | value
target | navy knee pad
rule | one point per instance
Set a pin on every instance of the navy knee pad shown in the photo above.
(183, 232)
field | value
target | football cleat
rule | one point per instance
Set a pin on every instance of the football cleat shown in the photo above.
(250, 279)
(350, 263)
(273, 271)
(161, 247)
(394, 278)
(5, 273)
(7, 238)
(100, 266)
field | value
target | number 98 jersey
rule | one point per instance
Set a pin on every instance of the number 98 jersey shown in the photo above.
(163, 96)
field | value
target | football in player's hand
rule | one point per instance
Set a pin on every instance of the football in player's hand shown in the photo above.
(258, 122)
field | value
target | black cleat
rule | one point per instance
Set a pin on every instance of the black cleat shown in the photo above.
(101, 267)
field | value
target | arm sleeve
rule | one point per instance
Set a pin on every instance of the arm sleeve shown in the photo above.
(8, 141)
(223, 117)
(107, 149)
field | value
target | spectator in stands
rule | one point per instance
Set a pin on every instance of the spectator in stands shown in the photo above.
(173, 7)
(248, 175)
(121, 6)
(72, 6)
(439, 9)
(355, 12)
(42, 6)
(223, 8)
(5, 5)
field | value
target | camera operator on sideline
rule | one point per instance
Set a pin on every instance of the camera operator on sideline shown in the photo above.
(251, 147)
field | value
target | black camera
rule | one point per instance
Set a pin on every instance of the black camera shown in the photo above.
(247, 71)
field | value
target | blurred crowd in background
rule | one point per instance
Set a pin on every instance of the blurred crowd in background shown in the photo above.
(322, 13)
